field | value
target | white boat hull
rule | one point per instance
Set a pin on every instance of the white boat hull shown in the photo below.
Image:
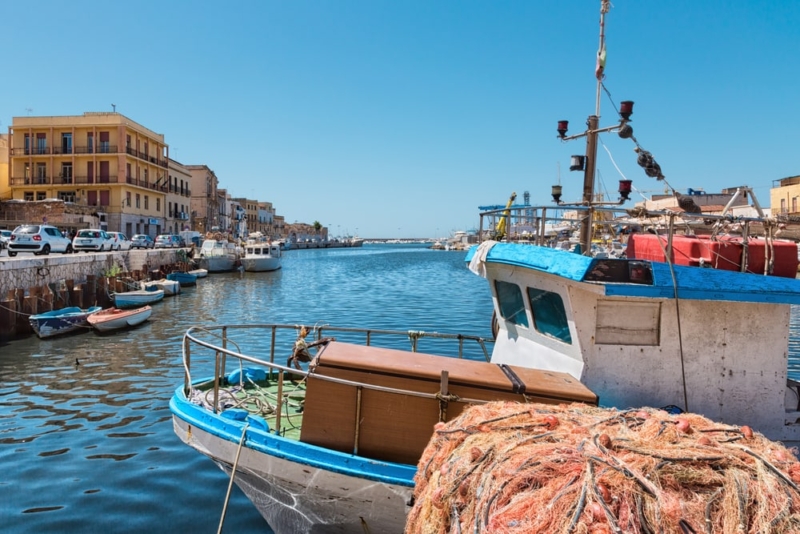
(106, 322)
(295, 497)
(170, 287)
(261, 264)
(134, 299)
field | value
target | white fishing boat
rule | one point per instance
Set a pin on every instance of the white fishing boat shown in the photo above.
(116, 319)
(218, 255)
(260, 256)
(138, 298)
(170, 287)
(330, 441)
(199, 273)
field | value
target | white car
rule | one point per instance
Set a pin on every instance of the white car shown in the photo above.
(92, 240)
(5, 237)
(121, 241)
(39, 239)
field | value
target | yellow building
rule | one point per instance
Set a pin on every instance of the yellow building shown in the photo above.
(99, 159)
(785, 198)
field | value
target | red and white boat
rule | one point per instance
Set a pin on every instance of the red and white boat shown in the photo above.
(115, 318)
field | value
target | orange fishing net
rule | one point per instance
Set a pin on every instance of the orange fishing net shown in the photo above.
(514, 468)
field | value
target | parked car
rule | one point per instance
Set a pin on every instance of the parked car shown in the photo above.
(142, 241)
(92, 240)
(39, 239)
(168, 241)
(5, 237)
(121, 241)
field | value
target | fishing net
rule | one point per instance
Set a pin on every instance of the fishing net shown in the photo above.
(510, 467)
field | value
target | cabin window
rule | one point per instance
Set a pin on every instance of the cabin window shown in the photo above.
(549, 315)
(512, 305)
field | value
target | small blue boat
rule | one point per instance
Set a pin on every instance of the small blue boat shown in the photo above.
(183, 278)
(61, 321)
(138, 298)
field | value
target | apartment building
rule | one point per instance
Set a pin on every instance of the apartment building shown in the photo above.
(102, 160)
(179, 198)
(204, 185)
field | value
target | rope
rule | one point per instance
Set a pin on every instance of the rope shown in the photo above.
(233, 475)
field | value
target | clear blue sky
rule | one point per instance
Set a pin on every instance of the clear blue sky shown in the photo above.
(399, 118)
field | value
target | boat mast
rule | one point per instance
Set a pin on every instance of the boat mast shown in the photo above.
(591, 136)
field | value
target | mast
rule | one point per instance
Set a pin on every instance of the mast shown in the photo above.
(591, 136)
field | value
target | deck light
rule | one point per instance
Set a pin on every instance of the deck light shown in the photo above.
(556, 192)
(624, 189)
(577, 163)
(626, 109)
(562, 128)
(625, 131)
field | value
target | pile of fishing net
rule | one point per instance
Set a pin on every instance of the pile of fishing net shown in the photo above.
(510, 467)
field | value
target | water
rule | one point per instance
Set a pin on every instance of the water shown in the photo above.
(86, 439)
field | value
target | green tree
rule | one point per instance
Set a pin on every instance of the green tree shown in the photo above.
(317, 226)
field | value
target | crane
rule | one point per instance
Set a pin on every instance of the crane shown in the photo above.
(500, 229)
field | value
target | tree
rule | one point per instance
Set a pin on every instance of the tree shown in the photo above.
(317, 226)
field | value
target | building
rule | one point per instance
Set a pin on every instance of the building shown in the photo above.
(204, 185)
(103, 160)
(179, 198)
(784, 196)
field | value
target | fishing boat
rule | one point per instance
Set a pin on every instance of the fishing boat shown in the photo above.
(57, 322)
(185, 279)
(331, 440)
(217, 254)
(115, 318)
(260, 256)
(170, 287)
(140, 297)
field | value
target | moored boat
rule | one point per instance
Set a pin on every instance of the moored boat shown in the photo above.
(56, 322)
(217, 254)
(140, 297)
(116, 318)
(185, 279)
(260, 256)
(199, 273)
(170, 287)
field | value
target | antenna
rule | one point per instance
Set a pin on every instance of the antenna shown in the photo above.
(29, 110)
(114, 107)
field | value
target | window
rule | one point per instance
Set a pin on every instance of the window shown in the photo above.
(146, 202)
(66, 173)
(27, 144)
(41, 195)
(41, 143)
(128, 199)
(105, 145)
(158, 205)
(512, 306)
(549, 315)
(90, 142)
(41, 173)
(138, 204)
(783, 205)
(27, 195)
(67, 196)
(27, 173)
(66, 143)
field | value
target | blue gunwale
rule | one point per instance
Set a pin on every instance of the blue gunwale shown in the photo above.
(263, 441)
(692, 282)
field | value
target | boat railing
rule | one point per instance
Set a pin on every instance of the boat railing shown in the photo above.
(528, 223)
(218, 339)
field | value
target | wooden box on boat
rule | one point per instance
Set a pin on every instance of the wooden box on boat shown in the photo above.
(397, 427)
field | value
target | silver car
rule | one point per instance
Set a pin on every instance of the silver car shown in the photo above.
(5, 237)
(39, 239)
(142, 241)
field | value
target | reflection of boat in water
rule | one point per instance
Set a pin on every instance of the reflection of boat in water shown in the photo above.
(261, 256)
(218, 255)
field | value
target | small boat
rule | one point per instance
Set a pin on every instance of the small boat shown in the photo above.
(199, 273)
(261, 256)
(115, 318)
(140, 297)
(170, 287)
(56, 322)
(185, 279)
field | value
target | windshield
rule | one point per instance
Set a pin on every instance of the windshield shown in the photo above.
(27, 229)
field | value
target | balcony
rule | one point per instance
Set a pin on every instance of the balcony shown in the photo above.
(146, 157)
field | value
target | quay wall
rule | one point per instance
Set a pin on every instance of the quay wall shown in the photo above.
(27, 270)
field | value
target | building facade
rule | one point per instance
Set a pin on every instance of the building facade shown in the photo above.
(204, 185)
(103, 160)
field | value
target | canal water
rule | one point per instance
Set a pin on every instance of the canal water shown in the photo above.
(86, 438)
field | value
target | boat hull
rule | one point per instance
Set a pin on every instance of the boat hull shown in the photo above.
(295, 497)
(134, 299)
(261, 264)
(115, 318)
(60, 322)
(184, 279)
(170, 287)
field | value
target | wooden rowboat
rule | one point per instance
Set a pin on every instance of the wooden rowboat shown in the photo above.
(115, 318)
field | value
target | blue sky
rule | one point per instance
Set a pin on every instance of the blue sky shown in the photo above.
(399, 119)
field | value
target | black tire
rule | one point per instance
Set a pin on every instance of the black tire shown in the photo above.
(68, 250)
(11, 254)
(46, 249)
